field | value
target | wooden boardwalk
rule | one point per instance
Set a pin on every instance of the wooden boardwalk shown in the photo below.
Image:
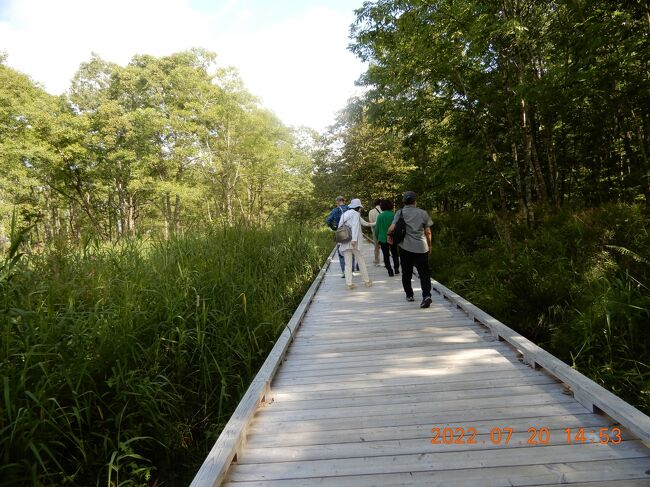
(368, 376)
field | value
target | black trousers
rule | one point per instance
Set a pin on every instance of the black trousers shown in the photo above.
(390, 250)
(421, 263)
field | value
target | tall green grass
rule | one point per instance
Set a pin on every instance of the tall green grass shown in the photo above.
(121, 364)
(578, 284)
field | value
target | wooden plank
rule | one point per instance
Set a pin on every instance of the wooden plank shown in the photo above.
(311, 330)
(544, 416)
(505, 412)
(388, 344)
(458, 376)
(416, 347)
(424, 350)
(448, 356)
(407, 355)
(611, 483)
(323, 321)
(586, 391)
(231, 439)
(319, 315)
(633, 469)
(416, 397)
(443, 371)
(433, 335)
(438, 461)
(520, 438)
(420, 406)
(396, 368)
(448, 411)
(307, 396)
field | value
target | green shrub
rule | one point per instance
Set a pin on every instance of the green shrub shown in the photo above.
(577, 284)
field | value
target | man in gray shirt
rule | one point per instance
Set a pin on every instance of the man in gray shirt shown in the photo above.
(414, 249)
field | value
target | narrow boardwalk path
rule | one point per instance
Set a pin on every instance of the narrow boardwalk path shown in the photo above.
(369, 376)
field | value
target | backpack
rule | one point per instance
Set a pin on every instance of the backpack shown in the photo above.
(343, 234)
(399, 231)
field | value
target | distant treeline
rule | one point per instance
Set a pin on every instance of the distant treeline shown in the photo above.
(147, 148)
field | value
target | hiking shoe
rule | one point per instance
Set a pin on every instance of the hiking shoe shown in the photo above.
(426, 302)
(368, 283)
(390, 273)
(352, 286)
(343, 275)
(396, 272)
(410, 298)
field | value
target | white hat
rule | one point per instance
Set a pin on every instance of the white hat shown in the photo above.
(355, 203)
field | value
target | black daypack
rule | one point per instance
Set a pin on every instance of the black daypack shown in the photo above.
(399, 230)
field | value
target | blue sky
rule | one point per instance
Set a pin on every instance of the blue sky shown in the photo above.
(290, 53)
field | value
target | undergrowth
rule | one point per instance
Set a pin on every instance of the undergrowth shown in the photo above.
(121, 364)
(577, 284)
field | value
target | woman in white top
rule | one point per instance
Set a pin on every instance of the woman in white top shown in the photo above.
(353, 219)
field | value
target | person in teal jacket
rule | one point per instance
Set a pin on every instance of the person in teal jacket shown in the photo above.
(384, 220)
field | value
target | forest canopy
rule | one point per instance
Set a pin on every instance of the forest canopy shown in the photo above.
(509, 105)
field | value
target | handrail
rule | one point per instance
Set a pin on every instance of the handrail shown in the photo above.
(233, 437)
(585, 391)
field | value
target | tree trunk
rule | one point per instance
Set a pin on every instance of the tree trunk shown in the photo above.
(553, 171)
(644, 181)
(166, 215)
(530, 154)
(131, 215)
(513, 136)
(177, 214)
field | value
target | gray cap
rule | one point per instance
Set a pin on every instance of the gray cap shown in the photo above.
(409, 195)
(340, 198)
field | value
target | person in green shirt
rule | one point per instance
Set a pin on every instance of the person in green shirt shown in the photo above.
(384, 220)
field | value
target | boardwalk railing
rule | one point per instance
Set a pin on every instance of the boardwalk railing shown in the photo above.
(233, 436)
(585, 391)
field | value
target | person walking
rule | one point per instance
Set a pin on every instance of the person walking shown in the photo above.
(372, 218)
(332, 221)
(350, 249)
(414, 249)
(384, 220)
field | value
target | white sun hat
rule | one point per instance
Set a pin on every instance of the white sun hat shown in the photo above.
(356, 203)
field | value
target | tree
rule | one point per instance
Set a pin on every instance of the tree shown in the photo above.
(501, 101)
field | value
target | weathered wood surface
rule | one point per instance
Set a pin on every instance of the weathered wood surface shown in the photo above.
(369, 375)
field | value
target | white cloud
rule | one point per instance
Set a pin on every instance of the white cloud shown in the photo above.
(48, 40)
(299, 66)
